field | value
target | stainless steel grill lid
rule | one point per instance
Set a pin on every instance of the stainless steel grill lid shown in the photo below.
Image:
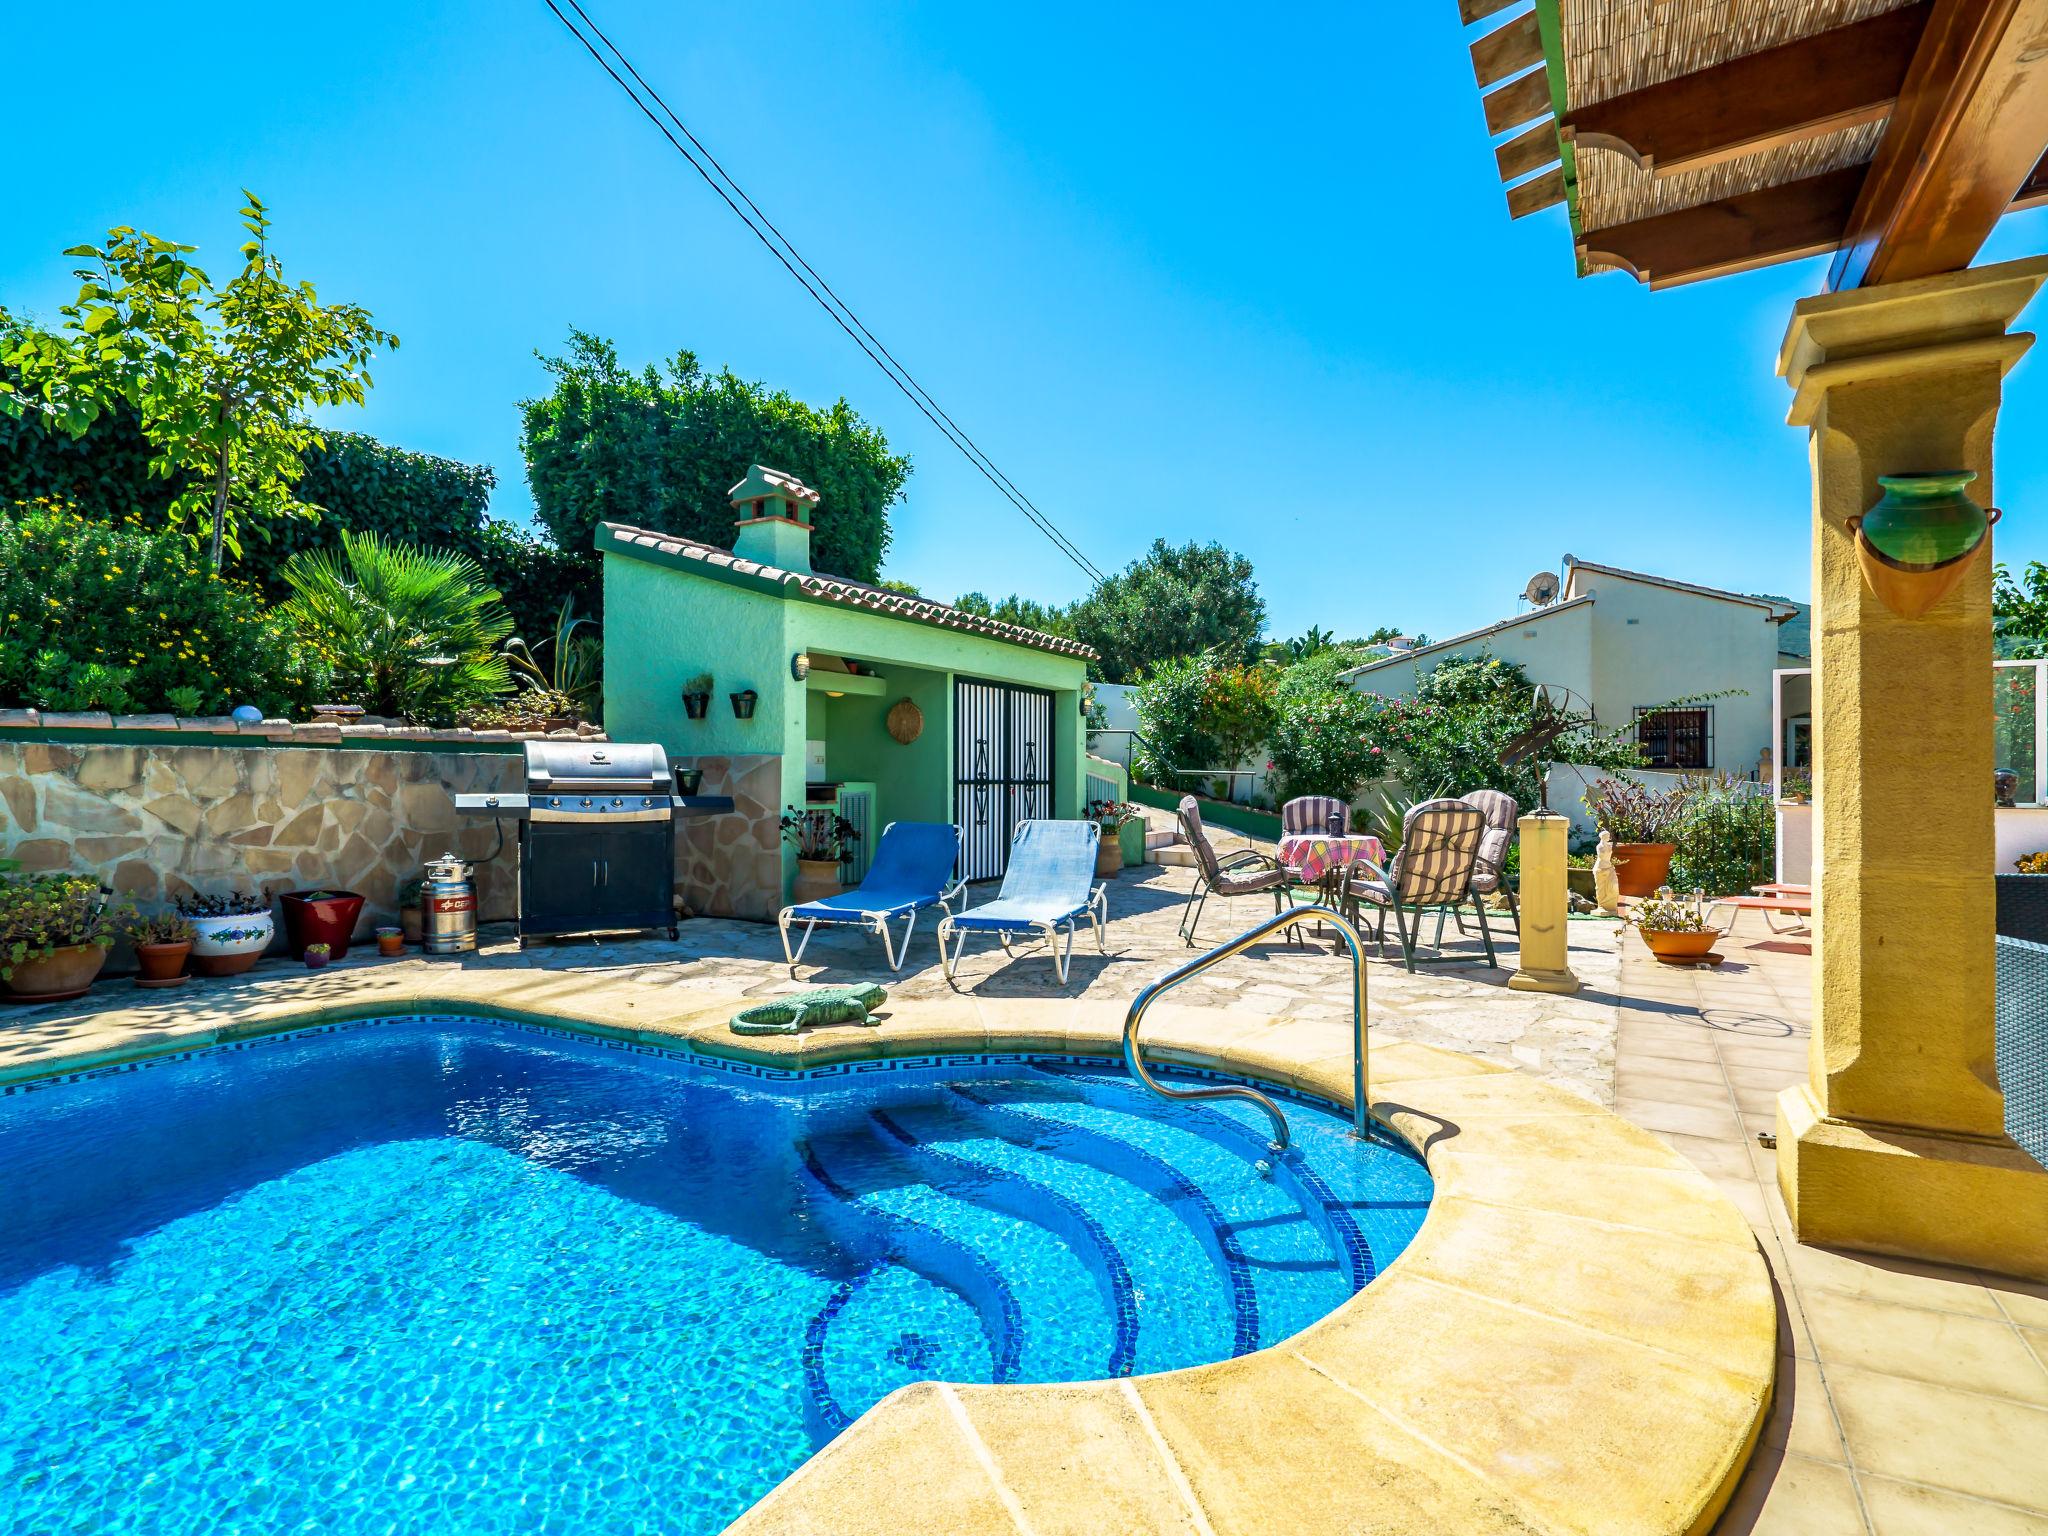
(610, 767)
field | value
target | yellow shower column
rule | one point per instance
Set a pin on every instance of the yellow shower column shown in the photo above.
(1897, 1141)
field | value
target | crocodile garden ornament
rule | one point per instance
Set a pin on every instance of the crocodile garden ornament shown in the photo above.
(802, 1010)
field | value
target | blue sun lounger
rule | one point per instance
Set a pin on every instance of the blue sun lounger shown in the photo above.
(912, 870)
(1045, 894)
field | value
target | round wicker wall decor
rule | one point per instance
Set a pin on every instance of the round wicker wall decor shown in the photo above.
(906, 721)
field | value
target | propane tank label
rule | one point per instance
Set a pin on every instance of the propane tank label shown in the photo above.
(451, 903)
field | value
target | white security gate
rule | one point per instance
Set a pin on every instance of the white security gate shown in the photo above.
(1002, 769)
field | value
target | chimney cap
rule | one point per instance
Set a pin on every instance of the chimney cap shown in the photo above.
(762, 481)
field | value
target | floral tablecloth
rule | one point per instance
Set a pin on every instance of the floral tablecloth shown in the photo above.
(1313, 855)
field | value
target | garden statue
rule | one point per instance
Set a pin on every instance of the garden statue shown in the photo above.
(1606, 881)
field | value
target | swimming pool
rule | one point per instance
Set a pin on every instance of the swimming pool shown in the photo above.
(477, 1276)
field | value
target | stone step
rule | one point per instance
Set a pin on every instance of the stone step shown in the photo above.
(1161, 838)
(1174, 856)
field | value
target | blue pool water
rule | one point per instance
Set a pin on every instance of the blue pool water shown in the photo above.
(461, 1276)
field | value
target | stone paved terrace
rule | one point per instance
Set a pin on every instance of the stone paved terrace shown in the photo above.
(1911, 1399)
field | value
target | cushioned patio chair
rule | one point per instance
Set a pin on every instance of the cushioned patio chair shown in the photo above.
(1433, 870)
(1045, 894)
(1245, 873)
(1490, 870)
(912, 869)
(1312, 813)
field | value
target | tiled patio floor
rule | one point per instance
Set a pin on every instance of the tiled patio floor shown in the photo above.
(1912, 1398)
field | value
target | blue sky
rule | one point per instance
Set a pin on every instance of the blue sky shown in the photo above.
(1199, 273)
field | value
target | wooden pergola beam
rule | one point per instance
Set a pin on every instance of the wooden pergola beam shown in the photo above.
(1969, 130)
(1507, 50)
(1470, 11)
(1831, 80)
(2034, 190)
(1516, 102)
(1754, 229)
(1528, 151)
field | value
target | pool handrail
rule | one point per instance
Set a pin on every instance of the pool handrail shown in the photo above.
(1134, 1056)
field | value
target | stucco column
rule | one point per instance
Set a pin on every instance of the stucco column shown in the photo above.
(1545, 905)
(1897, 1141)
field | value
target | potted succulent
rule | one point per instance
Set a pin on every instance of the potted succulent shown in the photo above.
(1674, 927)
(743, 704)
(1643, 823)
(316, 956)
(320, 917)
(1110, 818)
(229, 932)
(161, 944)
(1796, 786)
(411, 918)
(823, 841)
(55, 931)
(697, 696)
(390, 940)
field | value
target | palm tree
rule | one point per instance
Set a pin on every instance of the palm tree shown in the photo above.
(412, 633)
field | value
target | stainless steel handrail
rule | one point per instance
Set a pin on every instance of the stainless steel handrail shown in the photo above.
(1135, 1060)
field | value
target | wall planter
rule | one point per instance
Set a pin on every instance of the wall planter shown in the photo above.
(229, 944)
(162, 965)
(320, 917)
(816, 879)
(1679, 948)
(1642, 867)
(743, 704)
(66, 972)
(696, 705)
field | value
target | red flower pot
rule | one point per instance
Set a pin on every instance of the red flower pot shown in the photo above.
(320, 917)
(1641, 867)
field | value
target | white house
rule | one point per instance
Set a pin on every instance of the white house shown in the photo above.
(1627, 644)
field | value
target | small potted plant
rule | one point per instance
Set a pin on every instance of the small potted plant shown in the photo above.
(1796, 786)
(390, 940)
(1643, 823)
(229, 932)
(316, 956)
(1110, 818)
(55, 931)
(823, 841)
(743, 704)
(320, 917)
(411, 918)
(1675, 927)
(697, 696)
(161, 944)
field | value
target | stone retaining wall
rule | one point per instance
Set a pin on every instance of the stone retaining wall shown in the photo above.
(160, 821)
(731, 866)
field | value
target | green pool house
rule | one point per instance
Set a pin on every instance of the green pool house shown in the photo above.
(827, 693)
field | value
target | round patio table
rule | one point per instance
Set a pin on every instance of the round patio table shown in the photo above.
(1326, 862)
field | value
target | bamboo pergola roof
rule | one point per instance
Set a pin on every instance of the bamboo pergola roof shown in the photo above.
(1688, 138)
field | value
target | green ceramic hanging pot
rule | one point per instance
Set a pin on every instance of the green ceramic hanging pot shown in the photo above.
(1919, 540)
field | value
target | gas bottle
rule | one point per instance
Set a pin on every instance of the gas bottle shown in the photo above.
(448, 906)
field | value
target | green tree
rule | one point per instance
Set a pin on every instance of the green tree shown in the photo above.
(661, 451)
(2019, 610)
(1013, 609)
(412, 633)
(1174, 601)
(219, 379)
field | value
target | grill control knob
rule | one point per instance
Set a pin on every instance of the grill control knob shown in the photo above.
(586, 802)
(618, 802)
(555, 801)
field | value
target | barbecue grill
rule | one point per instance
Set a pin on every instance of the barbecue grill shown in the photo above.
(596, 836)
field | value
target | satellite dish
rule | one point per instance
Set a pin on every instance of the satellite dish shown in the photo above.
(1542, 589)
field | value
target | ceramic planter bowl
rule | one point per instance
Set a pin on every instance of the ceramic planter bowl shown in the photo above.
(1679, 948)
(162, 965)
(228, 946)
(67, 972)
(1109, 857)
(1642, 867)
(320, 917)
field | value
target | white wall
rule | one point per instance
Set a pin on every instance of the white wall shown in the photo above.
(1552, 647)
(2015, 832)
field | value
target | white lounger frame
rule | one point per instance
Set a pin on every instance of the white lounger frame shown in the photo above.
(875, 922)
(1096, 911)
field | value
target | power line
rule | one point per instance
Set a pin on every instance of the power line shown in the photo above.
(815, 285)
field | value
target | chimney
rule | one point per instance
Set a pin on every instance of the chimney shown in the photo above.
(774, 519)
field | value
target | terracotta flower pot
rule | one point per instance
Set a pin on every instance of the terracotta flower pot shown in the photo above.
(66, 972)
(1109, 857)
(390, 944)
(328, 919)
(816, 879)
(1642, 867)
(228, 946)
(1679, 948)
(162, 965)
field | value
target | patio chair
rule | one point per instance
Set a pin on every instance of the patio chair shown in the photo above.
(1245, 873)
(1490, 872)
(1439, 851)
(912, 869)
(1045, 893)
(1312, 813)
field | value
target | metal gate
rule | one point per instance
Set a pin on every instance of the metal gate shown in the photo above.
(1002, 768)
